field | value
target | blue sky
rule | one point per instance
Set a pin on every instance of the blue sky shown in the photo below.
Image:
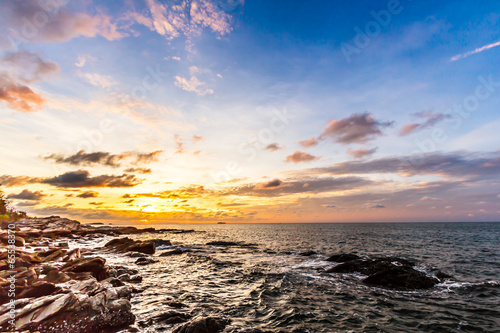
(201, 110)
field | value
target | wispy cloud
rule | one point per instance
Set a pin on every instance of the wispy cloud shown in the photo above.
(478, 50)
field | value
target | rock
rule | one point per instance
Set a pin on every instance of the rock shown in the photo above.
(161, 242)
(18, 240)
(55, 255)
(222, 243)
(307, 253)
(73, 254)
(401, 277)
(171, 253)
(203, 325)
(95, 266)
(169, 317)
(369, 266)
(343, 257)
(127, 244)
(90, 307)
(443, 276)
(37, 289)
(176, 305)
(56, 276)
(136, 255)
(144, 261)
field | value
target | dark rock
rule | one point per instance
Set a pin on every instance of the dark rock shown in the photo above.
(401, 277)
(443, 276)
(307, 253)
(222, 243)
(343, 257)
(203, 325)
(161, 242)
(136, 255)
(144, 261)
(95, 266)
(176, 305)
(369, 266)
(127, 244)
(37, 289)
(171, 253)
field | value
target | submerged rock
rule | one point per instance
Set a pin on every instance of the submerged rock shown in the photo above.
(369, 266)
(222, 243)
(307, 253)
(343, 257)
(172, 252)
(203, 325)
(401, 277)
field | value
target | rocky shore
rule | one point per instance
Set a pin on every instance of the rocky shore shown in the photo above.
(46, 286)
(51, 282)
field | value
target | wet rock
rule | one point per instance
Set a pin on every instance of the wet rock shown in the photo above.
(369, 266)
(169, 317)
(88, 308)
(176, 305)
(443, 276)
(307, 253)
(73, 254)
(203, 325)
(136, 255)
(343, 257)
(222, 243)
(94, 266)
(401, 277)
(172, 253)
(127, 244)
(145, 261)
(161, 242)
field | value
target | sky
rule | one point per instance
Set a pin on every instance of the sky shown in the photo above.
(152, 111)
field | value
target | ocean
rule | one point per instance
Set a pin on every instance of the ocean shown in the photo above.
(265, 285)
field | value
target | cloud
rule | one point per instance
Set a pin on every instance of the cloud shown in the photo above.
(138, 170)
(60, 24)
(376, 206)
(82, 178)
(478, 50)
(275, 183)
(197, 138)
(83, 158)
(179, 145)
(273, 147)
(88, 194)
(431, 120)
(98, 80)
(308, 143)
(28, 195)
(193, 85)
(277, 187)
(299, 156)
(358, 128)
(81, 60)
(18, 70)
(31, 65)
(453, 164)
(20, 97)
(9, 181)
(96, 203)
(361, 152)
(187, 18)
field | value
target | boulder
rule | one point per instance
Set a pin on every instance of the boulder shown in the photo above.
(203, 325)
(307, 253)
(401, 277)
(127, 244)
(343, 257)
(18, 240)
(172, 253)
(94, 266)
(37, 289)
(222, 243)
(369, 266)
(144, 261)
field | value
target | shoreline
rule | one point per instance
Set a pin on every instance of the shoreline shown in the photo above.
(54, 279)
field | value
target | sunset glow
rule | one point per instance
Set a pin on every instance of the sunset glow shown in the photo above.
(208, 111)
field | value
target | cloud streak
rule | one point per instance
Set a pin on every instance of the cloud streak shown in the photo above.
(478, 50)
